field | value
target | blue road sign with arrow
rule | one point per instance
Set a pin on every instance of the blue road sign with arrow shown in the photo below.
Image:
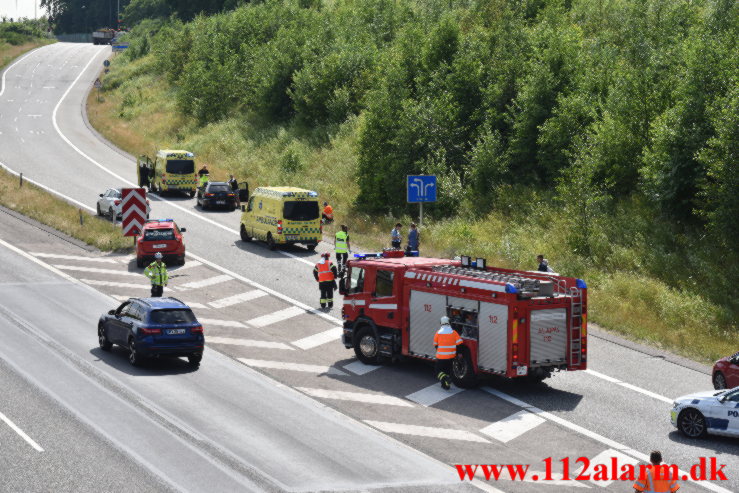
(421, 188)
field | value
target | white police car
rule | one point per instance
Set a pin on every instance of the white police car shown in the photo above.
(712, 411)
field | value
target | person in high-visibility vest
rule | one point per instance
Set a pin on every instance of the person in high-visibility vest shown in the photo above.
(325, 273)
(204, 179)
(342, 248)
(446, 341)
(157, 274)
(656, 478)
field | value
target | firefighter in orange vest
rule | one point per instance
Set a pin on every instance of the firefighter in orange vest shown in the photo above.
(656, 478)
(446, 341)
(325, 273)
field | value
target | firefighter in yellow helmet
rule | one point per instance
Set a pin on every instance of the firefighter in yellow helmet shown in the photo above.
(446, 341)
(325, 273)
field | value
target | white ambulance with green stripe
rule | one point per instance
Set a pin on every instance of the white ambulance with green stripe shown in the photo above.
(282, 216)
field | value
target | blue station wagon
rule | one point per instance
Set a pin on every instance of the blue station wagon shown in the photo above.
(153, 327)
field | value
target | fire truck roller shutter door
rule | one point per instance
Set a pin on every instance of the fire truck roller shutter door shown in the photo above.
(463, 303)
(548, 337)
(426, 309)
(493, 337)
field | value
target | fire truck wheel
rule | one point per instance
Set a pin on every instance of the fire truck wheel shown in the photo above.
(462, 372)
(366, 346)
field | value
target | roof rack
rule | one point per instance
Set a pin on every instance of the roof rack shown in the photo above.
(521, 283)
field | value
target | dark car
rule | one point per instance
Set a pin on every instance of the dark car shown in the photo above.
(217, 194)
(153, 327)
(726, 373)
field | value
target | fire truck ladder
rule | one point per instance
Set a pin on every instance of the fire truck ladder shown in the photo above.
(575, 326)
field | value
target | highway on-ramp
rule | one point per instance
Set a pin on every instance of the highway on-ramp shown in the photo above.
(619, 409)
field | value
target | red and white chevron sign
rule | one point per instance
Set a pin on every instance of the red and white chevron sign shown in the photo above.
(133, 203)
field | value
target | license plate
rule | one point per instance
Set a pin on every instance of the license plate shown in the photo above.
(292, 237)
(220, 202)
(174, 332)
(161, 245)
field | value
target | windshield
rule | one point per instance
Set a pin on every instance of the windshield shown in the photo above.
(158, 234)
(300, 211)
(176, 316)
(219, 188)
(180, 166)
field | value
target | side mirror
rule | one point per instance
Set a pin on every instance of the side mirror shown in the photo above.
(100, 195)
(243, 208)
(111, 312)
(183, 230)
(722, 399)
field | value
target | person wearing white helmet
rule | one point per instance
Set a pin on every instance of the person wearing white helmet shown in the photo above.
(446, 341)
(157, 274)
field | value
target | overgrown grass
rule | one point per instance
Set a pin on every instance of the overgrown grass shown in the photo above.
(9, 52)
(42, 206)
(635, 270)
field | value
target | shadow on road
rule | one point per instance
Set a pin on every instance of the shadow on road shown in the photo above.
(260, 248)
(151, 367)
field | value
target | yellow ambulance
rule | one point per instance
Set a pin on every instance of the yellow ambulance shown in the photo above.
(282, 216)
(170, 171)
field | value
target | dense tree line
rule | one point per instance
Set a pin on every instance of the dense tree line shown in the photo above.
(592, 100)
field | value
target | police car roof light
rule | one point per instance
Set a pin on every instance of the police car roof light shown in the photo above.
(581, 284)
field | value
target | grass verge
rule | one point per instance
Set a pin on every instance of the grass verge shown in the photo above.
(45, 208)
(631, 293)
(9, 52)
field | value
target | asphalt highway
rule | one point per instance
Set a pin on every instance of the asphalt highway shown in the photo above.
(620, 408)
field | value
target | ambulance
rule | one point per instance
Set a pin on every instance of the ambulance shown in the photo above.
(170, 171)
(282, 216)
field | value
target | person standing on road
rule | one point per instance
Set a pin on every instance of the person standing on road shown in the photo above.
(157, 274)
(342, 248)
(325, 273)
(543, 264)
(235, 187)
(204, 176)
(656, 478)
(446, 341)
(413, 238)
(396, 238)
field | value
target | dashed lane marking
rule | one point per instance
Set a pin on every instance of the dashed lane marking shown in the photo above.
(386, 400)
(432, 394)
(21, 433)
(605, 458)
(98, 271)
(100, 260)
(238, 298)
(359, 368)
(222, 323)
(426, 431)
(330, 335)
(247, 342)
(211, 281)
(277, 316)
(512, 426)
(284, 365)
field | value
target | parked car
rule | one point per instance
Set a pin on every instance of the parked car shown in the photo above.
(216, 194)
(726, 372)
(160, 236)
(715, 412)
(153, 327)
(109, 204)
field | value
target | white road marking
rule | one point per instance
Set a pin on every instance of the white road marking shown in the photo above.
(277, 316)
(330, 335)
(188, 265)
(386, 400)
(102, 260)
(21, 433)
(247, 342)
(426, 431)
(555, 481)
(591, 434)
(512, 426)
(222, 323)
(238, 298)
(284, 365)
(432, 394)
(113, 284)
(207, 282)
(359, 368)
(98, 271)
(191, 304)
(605, 458)
(630, 386)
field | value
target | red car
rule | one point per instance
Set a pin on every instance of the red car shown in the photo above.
(163, 236)
(726, 373)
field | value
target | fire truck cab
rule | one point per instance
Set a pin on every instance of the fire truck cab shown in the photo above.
(513, 323)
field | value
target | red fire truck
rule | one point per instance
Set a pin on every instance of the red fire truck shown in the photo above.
(513, 323)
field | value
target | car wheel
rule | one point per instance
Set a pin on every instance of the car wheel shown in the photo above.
(181, 260)
(271, 242)
(312, 247)
(103, 341)
(100, 212)
(691, 423)
(139, 262)
(719, 381)
(195, 359)
(133, 356)
(366, 346)
(191, 193)
(463, 374)
(244, 235)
